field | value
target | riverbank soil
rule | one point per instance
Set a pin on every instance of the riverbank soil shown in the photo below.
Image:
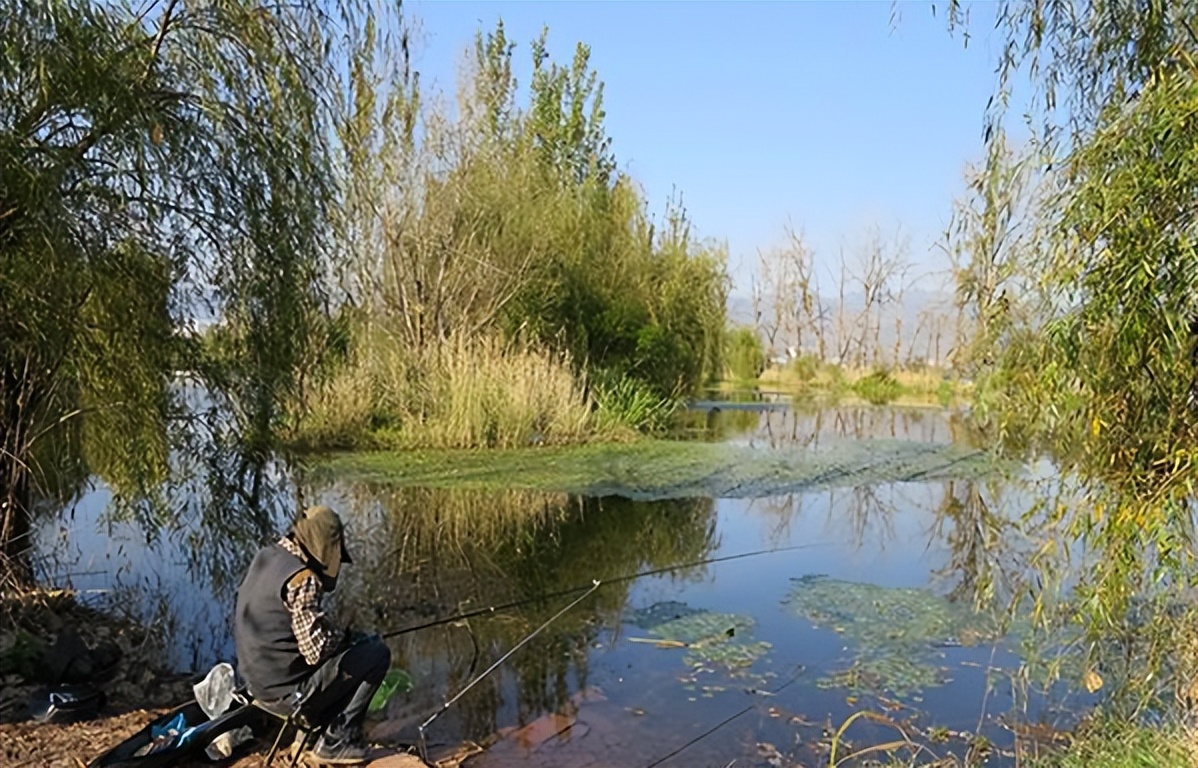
(28, 744)
(47, 637)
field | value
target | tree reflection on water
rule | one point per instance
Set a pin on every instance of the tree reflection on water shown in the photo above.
(424, 553)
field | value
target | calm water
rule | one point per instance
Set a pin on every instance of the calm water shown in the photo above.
(814, 633)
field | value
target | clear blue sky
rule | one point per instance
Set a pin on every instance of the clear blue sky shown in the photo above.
(822, 113)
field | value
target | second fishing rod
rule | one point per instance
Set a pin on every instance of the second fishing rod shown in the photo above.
(500, 607)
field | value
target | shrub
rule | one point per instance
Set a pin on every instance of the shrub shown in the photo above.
(806, 367)
(624, 402)
(744, 355)
(878, 387)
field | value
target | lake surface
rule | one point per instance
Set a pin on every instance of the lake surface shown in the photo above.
(757, 660)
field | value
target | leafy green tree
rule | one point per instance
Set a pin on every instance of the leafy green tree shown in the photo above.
(1097, 361)
(1080, 56)
(158, 165)
(513, 220)
(565, 121)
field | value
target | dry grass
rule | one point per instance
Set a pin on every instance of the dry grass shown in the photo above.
(466, 393)
(1110, 743)
(484, 393)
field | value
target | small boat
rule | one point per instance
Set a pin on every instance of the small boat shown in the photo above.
(183, 733)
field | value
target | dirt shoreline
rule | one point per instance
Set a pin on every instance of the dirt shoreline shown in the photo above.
(28, 744)
(43, 631)
(45, 637)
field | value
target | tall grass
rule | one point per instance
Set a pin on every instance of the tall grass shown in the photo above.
(481, 392)
(1111, 743)
(626, 404)
(466, 393)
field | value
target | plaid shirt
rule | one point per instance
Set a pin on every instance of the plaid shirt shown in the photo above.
(317, 638)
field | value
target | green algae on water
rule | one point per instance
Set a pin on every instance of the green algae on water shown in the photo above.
(665, 469)
(897, 634)
(712, 640)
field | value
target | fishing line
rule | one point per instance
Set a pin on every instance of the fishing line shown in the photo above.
(722, 723)
(423, 744)
(574, 590)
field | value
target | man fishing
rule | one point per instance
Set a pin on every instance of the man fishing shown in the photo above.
(289, 652)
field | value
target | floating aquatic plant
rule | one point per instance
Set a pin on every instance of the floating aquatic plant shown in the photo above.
(668, 469)
(897, 634)
(713, 640)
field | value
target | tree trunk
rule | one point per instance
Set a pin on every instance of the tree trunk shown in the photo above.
(15, 504)
(15, 488)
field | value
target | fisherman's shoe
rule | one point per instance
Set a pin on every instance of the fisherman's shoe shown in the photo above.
(343, 751)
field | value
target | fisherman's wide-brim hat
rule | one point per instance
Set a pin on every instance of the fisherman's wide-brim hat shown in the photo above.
(320, 531)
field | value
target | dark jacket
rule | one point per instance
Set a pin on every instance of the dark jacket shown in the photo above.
(268, 654)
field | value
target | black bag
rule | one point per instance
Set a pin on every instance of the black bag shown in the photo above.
(66, 703)
(170, 749)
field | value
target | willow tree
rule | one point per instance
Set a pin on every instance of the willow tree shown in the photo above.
(1098, 364)
(159, 165)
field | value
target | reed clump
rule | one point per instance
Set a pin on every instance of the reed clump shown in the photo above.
(466, 393)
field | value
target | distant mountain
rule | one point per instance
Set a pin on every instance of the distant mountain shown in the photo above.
(740, 310)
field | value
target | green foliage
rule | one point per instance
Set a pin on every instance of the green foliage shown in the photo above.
(510, 221)
(565, 119)
(744, 355)
(1090, 353)
(1107, 380)
(623, 401)
(154, 168)
(1081, 58)
(878, 387)
(220, 160)
(1116, 743)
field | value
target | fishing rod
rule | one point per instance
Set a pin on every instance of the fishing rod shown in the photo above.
(575, 590)
(725, 721)
(423, 744)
